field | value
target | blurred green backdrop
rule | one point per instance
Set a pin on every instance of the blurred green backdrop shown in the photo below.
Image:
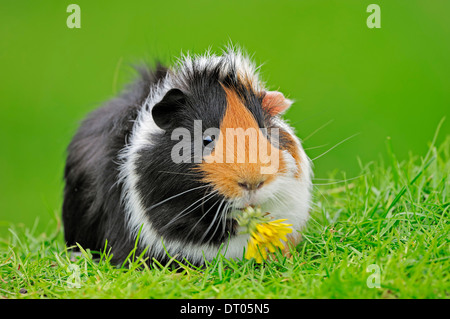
(392, 81)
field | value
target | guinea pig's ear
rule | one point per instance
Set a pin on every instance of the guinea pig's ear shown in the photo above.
(164, 113)
(275, 103)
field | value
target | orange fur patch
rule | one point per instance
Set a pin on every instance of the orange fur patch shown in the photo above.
(236, 154)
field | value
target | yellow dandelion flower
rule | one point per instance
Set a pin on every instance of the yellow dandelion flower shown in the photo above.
(265, 235)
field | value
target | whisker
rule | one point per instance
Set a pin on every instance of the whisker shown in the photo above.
(224, 218)
(334, 146)
(218, 224)
(178, 173)
(317, 130)
(338, 181)
(167, 199)
(193, 227)
(212, 223)
(230, 206)
(210, 195)
(309, 117)
(278, 199)
(321, 194)
(315, 147)
(314, 220)
(221, 214)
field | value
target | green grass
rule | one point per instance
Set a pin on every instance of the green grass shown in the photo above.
(393, 215)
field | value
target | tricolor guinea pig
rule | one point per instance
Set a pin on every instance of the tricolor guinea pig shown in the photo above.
(175, 156)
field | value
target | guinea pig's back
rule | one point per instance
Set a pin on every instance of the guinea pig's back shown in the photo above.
(92, 209)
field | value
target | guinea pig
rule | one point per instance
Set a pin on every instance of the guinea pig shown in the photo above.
(130, 182)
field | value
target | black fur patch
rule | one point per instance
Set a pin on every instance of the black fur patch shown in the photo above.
(92, 210)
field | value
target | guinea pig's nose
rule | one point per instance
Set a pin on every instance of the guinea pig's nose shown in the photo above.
(251, 186)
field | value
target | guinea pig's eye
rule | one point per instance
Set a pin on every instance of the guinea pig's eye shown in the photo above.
(208, 144)
(207, 140)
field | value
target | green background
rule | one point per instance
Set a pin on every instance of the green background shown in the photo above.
(375, 83)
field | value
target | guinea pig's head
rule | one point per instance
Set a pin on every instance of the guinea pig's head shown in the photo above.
(220, 146)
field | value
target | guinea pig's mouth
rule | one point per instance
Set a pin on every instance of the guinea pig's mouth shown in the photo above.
(245, 207)
(232, 211)
(239, 205)
(243, 203)
(238, 210)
